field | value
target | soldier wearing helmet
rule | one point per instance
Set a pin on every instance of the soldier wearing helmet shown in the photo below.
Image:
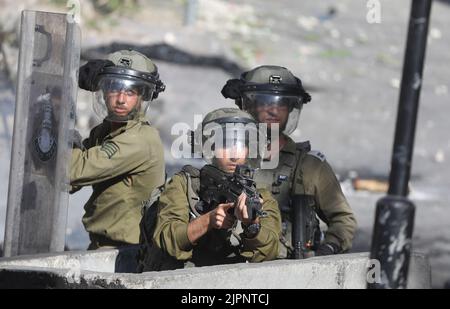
(122, 159)
(273, 95)
(185, 227)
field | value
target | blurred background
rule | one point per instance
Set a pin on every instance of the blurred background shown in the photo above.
(350, 65)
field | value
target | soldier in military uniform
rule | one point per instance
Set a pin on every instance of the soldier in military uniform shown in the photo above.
(273, 95)
(123, 157)
(188, 229)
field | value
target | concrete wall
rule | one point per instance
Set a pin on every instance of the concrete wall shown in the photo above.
(96, 270)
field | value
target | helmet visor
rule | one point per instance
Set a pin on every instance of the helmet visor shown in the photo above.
(231, 141)
(120, 100)
(274, 108)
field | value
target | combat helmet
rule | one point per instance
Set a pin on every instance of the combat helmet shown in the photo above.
(231, 129)
(269, 89)
(133, 76)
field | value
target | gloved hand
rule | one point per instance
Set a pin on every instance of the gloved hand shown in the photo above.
(76, 139)
(327, 249)
(74, 189)
(88, 73)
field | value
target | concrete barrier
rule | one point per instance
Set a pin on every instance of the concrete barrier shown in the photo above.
(95, 269)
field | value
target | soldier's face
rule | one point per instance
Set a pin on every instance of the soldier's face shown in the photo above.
(228, 158)
(122, 102)
(271, 114)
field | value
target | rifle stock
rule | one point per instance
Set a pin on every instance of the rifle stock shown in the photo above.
(304, 227)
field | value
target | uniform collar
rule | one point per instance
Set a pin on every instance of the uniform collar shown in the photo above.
(289, 146)
(130, 124)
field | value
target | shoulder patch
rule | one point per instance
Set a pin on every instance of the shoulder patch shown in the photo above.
(194, 172)
(303, 146)
(317, 154)
(110, 148)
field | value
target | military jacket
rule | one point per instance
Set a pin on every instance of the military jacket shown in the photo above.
(305, 172)
(214, 247)
(123, 167)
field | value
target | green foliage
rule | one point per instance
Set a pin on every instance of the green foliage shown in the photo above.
(105, 7)
(387, 59)
(58, 2)
(312, 37)
(335, 53)
(110, 6)
(244, 52)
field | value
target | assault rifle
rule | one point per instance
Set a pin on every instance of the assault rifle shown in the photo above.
(217, 186)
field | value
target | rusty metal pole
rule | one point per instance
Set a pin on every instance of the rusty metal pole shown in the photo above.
(394, 218)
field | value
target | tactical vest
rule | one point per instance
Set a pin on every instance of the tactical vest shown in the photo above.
(280, 181)
(221, 245)
(149, 257)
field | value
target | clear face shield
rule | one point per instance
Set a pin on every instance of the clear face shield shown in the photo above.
(227, 145)
(119, 99)
(270, 108)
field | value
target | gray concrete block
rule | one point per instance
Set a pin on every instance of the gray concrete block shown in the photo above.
(95, 269)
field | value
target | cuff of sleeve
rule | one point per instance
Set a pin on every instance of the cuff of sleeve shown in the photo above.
(332, 239)
(182, 238)
(260, 239)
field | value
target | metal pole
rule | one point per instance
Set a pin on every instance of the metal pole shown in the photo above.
(190, 12)
(394, 218)
(409, 97)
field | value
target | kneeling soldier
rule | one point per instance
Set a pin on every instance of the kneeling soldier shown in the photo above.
(214, 215)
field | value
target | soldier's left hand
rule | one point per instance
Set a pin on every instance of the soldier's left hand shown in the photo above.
(240, 209)
(75, 139)
(327, 249)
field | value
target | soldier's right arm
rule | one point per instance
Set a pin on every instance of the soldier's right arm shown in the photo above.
(332, 204)
(171, 231)
(264, 247)
(125, 153)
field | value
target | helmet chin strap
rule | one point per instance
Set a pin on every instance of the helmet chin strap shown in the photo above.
(131, 115)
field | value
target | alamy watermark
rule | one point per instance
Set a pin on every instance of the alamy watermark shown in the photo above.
(374, 12)
(205, 141)
(74, 13)
(374, 271)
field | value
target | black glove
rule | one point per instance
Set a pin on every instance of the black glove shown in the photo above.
(74, 189)
(231, 89)
(327, 249)
(250, 231)
(87, 77)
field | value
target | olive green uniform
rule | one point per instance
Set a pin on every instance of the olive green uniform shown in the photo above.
(305, 172)
(123, 167)
(213, 248)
